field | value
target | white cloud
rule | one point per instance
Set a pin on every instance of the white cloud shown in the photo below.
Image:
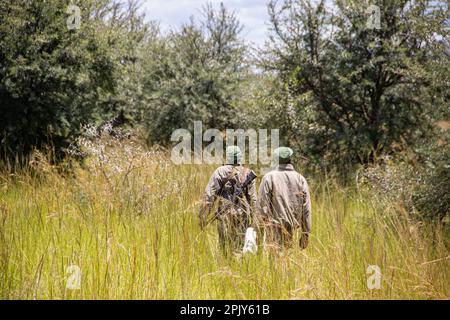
(172, 13)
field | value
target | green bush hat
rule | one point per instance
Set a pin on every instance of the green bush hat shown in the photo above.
(283, 153)
(234, 154)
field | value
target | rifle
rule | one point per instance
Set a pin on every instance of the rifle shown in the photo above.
(238, 192)
(250, 178)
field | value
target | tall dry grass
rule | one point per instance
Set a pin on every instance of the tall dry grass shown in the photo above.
(128, 219)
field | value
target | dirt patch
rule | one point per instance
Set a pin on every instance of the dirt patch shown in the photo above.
(444, 125)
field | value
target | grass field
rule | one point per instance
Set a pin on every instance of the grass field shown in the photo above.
(128, 220)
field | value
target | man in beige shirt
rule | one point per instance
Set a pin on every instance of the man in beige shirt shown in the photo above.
(235, 187)
(284, 203)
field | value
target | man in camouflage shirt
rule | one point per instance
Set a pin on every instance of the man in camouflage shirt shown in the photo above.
(235, 186)
(284, 203)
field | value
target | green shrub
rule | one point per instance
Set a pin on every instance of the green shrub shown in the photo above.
(432, 197)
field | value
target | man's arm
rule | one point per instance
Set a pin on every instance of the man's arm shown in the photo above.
(211, 191)
(306, 219)
(264, 198)
(253, 193)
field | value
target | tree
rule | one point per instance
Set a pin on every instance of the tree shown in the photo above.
(194, 74)
(359, 90)
(54, 76)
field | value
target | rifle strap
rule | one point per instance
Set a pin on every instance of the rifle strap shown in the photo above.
(240, 180)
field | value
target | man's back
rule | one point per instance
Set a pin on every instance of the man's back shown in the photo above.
(284, 197)
(235, 187)
(221, 184)
(235, 209)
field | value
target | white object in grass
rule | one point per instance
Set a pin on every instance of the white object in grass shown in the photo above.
(250, 245)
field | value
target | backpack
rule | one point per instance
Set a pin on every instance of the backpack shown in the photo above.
(235, 186)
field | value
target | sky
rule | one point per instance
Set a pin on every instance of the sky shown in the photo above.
(173, 13)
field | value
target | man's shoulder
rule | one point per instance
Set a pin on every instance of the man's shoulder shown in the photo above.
(277, 172)
(270, 174)
(299, 175)
(227, 169)
(302, 180)
(274, 174)
(222, 170)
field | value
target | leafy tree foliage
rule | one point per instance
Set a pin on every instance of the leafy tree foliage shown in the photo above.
(53, 79)
(431, 198)
(358, 91)
(194, 74)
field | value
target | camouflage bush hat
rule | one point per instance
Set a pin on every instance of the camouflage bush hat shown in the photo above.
(283, 153)
(234, 154)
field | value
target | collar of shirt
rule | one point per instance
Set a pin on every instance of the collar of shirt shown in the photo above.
(285, 167)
